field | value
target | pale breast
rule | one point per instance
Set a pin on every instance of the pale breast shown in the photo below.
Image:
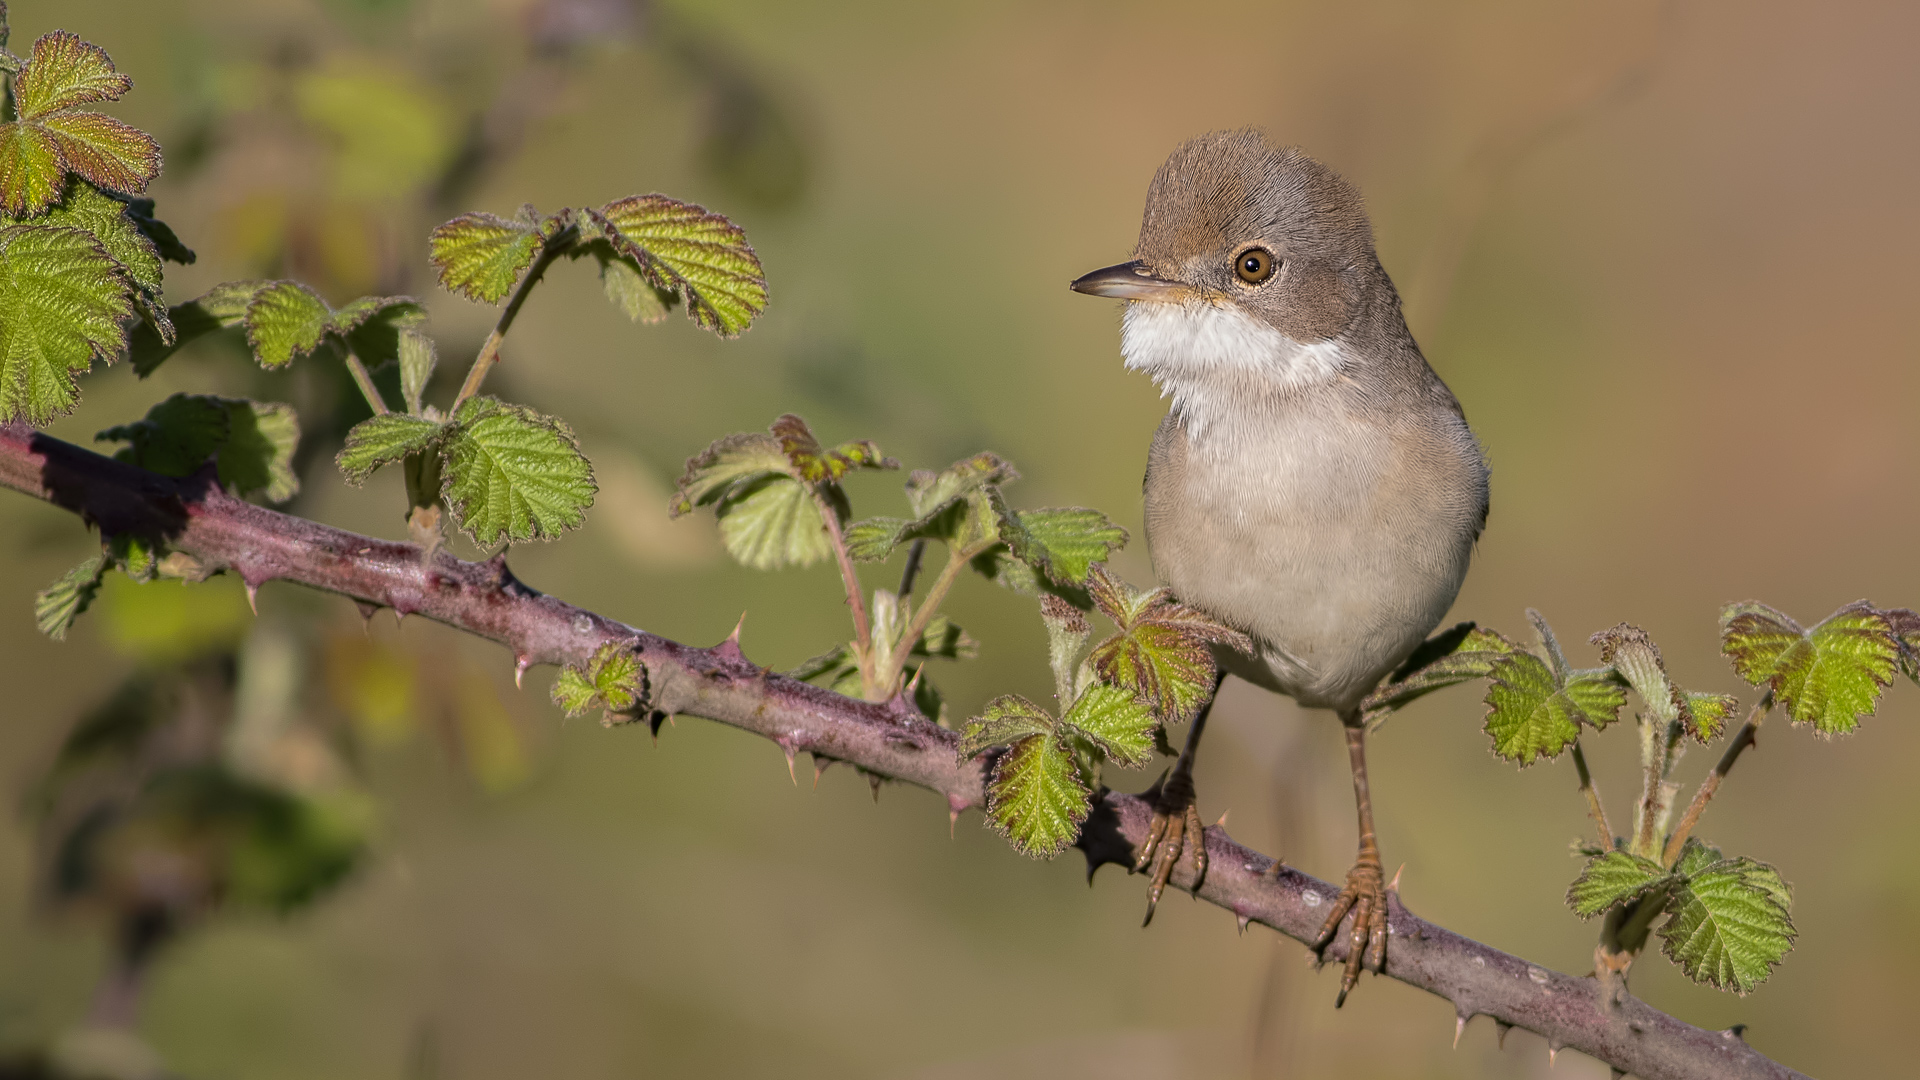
(1337, 540)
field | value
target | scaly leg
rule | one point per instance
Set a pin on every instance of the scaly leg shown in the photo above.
(1176, 818)
(1365, 894)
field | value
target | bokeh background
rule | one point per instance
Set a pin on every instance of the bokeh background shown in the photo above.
(1662, 252)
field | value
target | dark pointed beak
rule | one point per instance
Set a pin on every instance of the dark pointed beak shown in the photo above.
(1129, 281)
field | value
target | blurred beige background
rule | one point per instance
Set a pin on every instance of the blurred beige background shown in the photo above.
(1663, 254)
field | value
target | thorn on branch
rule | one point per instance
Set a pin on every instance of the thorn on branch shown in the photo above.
(654, 720)
(520, 665)
(1502, 1027)
(366, 614)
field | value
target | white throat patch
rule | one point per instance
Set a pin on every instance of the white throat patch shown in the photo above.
(1198, 352)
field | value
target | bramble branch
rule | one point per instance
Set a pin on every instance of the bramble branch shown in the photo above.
(220, 533)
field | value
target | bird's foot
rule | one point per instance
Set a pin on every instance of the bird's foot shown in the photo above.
(1176, 828)
(1366, 896)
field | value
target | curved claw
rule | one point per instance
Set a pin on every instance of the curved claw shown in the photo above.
(1366, 898)
(1176, 826)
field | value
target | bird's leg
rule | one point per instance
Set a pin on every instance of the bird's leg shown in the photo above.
(1365, 894)
(1176, 817)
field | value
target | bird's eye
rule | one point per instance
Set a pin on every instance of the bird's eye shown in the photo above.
(1254, 265)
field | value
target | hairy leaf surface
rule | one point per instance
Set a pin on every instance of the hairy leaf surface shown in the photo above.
(773, 522)
(1116, 721)
(53, 136)
(1532, 715)
(512, 472)
(383, 440)
(614, 680)
(1612, 879)
(1162, 650)
(1035, 798)
(62, 303)
(1729, 924)
(481, 256)
(1830, 676)
(682, 248)
(1006, 719)
(1061, 543)
(57, 606)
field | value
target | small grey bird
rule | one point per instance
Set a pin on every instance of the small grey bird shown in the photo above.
(1314, 483)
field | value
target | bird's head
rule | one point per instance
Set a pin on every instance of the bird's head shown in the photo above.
(1252, 259)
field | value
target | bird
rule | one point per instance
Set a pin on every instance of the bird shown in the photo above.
(1314, 483)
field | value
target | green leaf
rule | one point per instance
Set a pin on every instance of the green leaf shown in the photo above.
(1163, 650)
(1531, 714)
(417, 359)
(176, 437)
(1116, 721)
(59, 604)
(53, 136)
(943, 640)
(62, 303)
(928, 492)
(628, 289)
(1062, 544)
(614, 680)
(258, 456)
(513, 472)
(1709, 714)
(1035, 798)
(814, 463)
(374, 309)
(1830, 676)
(773, 522)
(286, 320)
(86, 207)
(1453, 656)
(482, 256)
(1006, 719)
(1613, 879)
(157, 232)
(223, 306)
(682, 248)
(1729, 924)
(724, 467)
(64, 71)
(383, 440)
(254, 442)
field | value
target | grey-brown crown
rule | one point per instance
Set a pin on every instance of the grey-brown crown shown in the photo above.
(1219, 193)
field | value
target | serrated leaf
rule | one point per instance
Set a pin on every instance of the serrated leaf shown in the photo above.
(1035, 798)
(253, 442)
(59, 604)
(725, 466)
(344, 321)
(512, 472)
(258, 456)
(928, 491)
(286, 320)
(1459, 654)
(108, 153)
(1006, 719)
(383, 440)
(1116, 721)
(773, 522)
(682, 248)
(614, 680)
(1162, 650)
(1709, 714)
(1531, 715)
(1612, 879)
(53, 136)
(62, 303)
(481, 256)
(1061, 543)
(85, 207)
(814, 463)
(223, 306)
(1728, 925)
(31, 171)
(63, 71)
(1695, 856)
(176, 437)
(1830, 676)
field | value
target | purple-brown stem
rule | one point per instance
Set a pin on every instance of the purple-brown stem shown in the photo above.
(220, 533)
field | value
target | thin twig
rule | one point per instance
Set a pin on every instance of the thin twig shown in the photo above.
(365, 382)
(915, 553)
(197, 519)
(554, 247)
(1594, 810)
(1711, 784)
(923, 617)
(856, 602)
